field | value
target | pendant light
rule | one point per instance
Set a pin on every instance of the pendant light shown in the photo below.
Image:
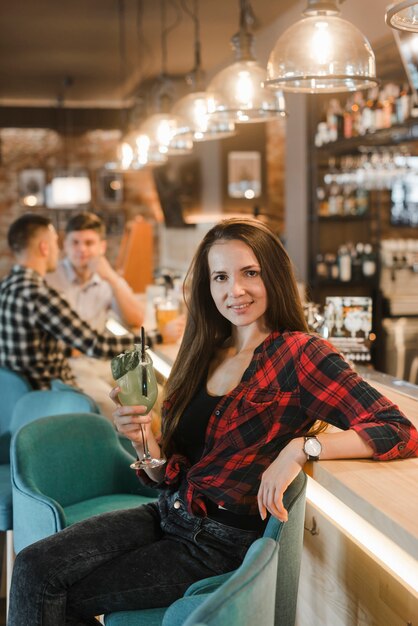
(403, 15)
(194, 107)
(136, 152)
(321, 53)
(167, 133)
(239, 92)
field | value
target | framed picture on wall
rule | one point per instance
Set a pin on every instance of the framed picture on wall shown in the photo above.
(31, 187)
(244, 175)
(109, 188)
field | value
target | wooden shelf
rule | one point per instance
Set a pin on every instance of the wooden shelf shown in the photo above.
(341, 218)
(385, 136)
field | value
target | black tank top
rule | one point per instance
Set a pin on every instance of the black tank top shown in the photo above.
(189, 440)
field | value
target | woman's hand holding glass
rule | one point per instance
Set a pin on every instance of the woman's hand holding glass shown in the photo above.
(129, 420)
(137, 390)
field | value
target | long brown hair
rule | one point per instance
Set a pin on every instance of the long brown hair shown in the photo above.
(206, 329)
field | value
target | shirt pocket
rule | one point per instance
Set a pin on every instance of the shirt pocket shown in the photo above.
(257, 416)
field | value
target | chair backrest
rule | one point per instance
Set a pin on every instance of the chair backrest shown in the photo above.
(70, 458)
(36, 404)
(12, 387)
(247, 598)
(290, 537)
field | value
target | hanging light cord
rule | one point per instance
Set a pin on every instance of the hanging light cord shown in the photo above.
(196, 77)
(242, 41)
(163, 91)
(166, 30)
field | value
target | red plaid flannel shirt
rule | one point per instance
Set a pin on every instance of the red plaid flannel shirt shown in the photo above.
(293, 380)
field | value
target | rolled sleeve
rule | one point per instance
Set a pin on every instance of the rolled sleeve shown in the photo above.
(332, 392)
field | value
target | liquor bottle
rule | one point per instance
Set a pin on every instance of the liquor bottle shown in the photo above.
(357, 262)
(362, 201)
(348, 119)
(321, 267)
(368, 114)
(334, 120)
(403, 105)
(349, 201)
(335, 200)
(344, 264)
(323, 202)
(369, 261)
(357, 109)
(332, 265)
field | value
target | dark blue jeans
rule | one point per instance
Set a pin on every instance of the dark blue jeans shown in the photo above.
(131, 559)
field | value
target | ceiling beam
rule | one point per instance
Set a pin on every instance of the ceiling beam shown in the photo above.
(74, 121)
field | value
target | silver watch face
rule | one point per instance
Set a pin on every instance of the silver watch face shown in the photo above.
(312, 447)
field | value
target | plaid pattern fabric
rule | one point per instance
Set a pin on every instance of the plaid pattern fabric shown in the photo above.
(36, 325)
(293, 380)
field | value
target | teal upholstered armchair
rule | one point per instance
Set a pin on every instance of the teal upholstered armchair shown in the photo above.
(12, 386)
(246, 598)
(205, 602)
(66, 468)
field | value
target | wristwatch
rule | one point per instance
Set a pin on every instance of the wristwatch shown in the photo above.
(312, 448)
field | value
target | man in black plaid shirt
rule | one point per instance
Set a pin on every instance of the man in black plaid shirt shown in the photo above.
(37, 325)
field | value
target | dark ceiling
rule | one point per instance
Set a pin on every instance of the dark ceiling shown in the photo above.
(44, 41)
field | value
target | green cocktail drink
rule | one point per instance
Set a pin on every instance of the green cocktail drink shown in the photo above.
(135, 375)
(139, 385)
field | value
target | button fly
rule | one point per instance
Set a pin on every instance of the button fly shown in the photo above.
(177, 504)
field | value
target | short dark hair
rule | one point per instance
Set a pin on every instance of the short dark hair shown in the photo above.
(86, 221)
(24, 229)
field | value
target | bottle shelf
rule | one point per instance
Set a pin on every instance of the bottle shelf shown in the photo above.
(340, 218)
(399, 133)
(330, 282)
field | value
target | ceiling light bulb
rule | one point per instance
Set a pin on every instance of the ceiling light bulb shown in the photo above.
(126, 155)
(403, 15)
(321, 44)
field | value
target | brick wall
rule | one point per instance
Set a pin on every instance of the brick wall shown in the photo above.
(47, 150)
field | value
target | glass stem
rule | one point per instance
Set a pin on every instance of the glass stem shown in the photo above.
(144, 442)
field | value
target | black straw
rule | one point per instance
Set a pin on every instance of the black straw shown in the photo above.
(142, 344)
(144, 368)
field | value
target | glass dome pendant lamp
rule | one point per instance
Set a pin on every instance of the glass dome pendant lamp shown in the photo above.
(136, 152)
(403, 15)
(238, 90)
(195, 106)
(166, 134)
(321, 53)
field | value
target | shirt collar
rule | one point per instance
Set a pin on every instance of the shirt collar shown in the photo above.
(25, 270)
(73, 278)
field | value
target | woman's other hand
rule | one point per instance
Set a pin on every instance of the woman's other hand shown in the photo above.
(277, 477)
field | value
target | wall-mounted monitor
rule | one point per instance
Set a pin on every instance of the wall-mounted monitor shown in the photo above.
(68, 192)
(178, 186)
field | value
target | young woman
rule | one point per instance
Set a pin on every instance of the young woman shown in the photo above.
(247, 387)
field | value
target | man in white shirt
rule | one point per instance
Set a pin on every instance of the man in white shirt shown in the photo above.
(92, 287)
(96, 291)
